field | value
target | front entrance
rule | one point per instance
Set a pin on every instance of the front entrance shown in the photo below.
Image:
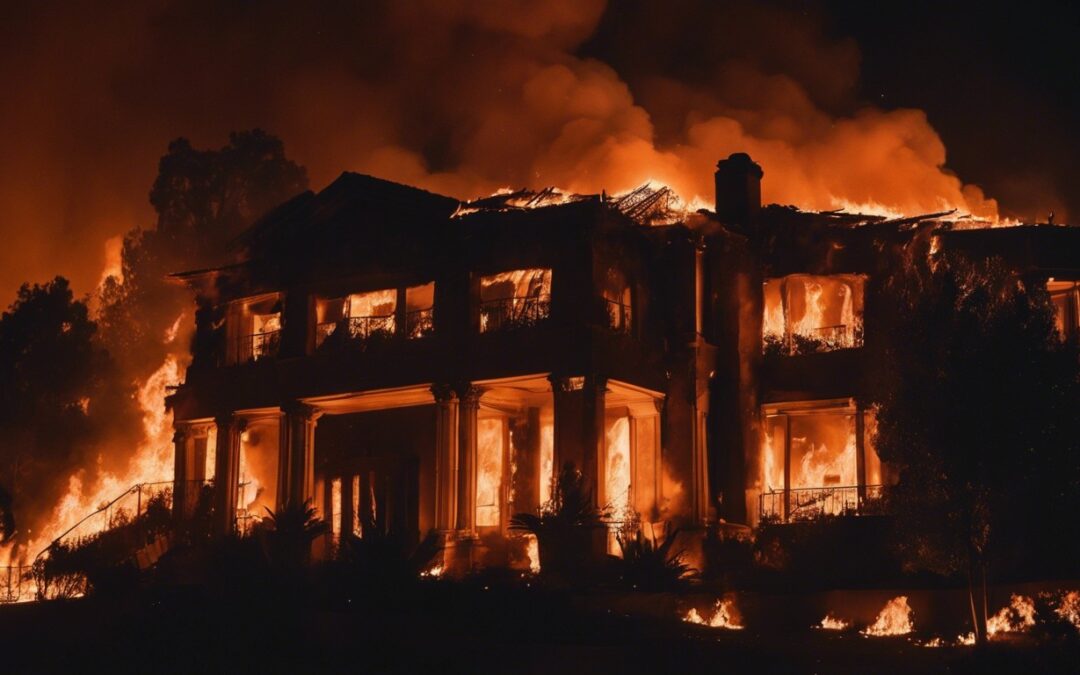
(373, 495)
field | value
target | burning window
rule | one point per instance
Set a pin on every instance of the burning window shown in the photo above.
(1066, 298)
(617, 466)
(256, 324)
(617, 300)
(805, 313)
(617, 490)
(257, 489)
(490, 449)
(372, 313)
(811, 464)
(547, 457)
(419, 310)
(375, 314)
(514, 299)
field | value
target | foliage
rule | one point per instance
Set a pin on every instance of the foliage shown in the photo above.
(571, 505)
(289, 533)
(387, 559)
(650, 564)
(977, 400)
(60, 393)
(105, 560)
(566, 527)
(203, 200)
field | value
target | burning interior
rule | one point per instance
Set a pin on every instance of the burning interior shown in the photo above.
(817, 459)
(806, 313)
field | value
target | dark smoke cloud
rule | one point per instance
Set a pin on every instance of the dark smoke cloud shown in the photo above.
(456, 96)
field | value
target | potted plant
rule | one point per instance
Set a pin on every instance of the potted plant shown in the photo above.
(569, 527)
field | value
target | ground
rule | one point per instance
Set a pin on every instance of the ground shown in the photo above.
(451, 628)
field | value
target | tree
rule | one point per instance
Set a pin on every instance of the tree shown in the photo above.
(203, 200)
(977, 398)
(57, 392)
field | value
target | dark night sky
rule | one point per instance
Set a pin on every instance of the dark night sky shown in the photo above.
(849, 103)
(1000, 82)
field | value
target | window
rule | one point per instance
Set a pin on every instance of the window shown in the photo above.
(388, 312)
(805, 314)
(618, 301)
(372, 313)
(514, 299)
(255, 325)
(490, 450)
(1066, 298)
(810, 460)
(419, 310)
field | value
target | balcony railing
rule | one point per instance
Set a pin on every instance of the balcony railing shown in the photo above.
(259, 345)
(509, 313)
(810, 503)
(619, 316)
(364, 327)
(822, 339)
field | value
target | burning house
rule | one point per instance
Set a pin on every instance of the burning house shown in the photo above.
(413, 363)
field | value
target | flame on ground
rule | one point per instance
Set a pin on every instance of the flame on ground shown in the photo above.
(1018, 616)
(1069, 608)
(895, 619)
(723, 616)
(832, 623)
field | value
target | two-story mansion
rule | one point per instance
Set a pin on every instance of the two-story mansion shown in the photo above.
(413, 363)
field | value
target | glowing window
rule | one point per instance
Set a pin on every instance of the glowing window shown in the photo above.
(809, 461)
(372, 313)
(805, 313)
(1065, 295)
(419, 310)
(490, 448)
(514, 299)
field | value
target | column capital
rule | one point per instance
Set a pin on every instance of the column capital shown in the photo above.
(443, 393)
(597, 382)
(561, 383)
(300, 409)
(470, 394)
(230, 420)
(181, 434)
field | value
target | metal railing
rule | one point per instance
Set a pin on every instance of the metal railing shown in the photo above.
(122, 510)
(619, 316)
(419, 323)
(259, 345)
(516, 312)
(364, 327)
(810, 503)
(822, 339)
(15, 584)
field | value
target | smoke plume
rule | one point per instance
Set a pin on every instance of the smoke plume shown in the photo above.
(455, 96)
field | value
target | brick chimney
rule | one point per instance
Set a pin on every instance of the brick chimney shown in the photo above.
(738, 190)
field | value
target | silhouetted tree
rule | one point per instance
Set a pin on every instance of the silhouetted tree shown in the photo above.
(203, 200)
(977, 399)
(56, 383)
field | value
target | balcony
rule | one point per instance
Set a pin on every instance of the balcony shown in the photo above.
(817, 502)
(258, 346)
(513, 313)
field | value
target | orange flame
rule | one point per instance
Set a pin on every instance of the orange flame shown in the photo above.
(895, 619)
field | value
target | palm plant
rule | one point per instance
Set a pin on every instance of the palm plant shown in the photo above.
(290, 532)
(649, 564)
(565, 525)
